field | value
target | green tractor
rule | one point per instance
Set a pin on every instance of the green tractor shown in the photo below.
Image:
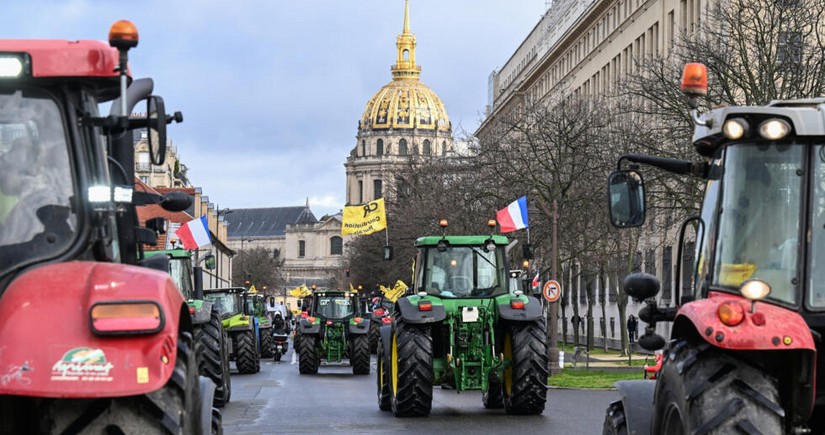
(333, 330)
(467, 327)
(241, 326)
(256, 306)
(214, 346)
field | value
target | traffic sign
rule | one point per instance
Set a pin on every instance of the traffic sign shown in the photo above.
(552, 290)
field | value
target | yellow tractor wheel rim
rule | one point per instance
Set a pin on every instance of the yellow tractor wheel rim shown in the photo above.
(394, 367)
(508, 372)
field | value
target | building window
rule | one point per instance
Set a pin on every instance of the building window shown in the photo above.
(379, 147)
(789, 49)
(402, 147)
(302, 249)
(336, 246)
(377, 187)
(427, 149)
(363, 147)
(444, 148)
(360, 192)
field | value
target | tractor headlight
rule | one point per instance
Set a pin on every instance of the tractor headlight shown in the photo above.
(11, 66)
(755, 289)
(774, 129)
(735, 128)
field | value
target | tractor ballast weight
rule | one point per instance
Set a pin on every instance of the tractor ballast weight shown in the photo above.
(68, 252)
(465, 327)
(745, 338)
(333, 331)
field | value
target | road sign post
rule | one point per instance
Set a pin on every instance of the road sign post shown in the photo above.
(551, 290)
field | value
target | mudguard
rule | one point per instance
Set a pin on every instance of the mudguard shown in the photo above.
(203, 311)
(782, 329)
(408, 311)
(385, 334)
(309, 328)
(69, 361)
(359, 328)
(532, 309)
(637, 401)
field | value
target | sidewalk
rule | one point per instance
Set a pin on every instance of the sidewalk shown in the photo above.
(582, 359)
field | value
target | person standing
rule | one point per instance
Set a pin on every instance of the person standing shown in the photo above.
(632, 324)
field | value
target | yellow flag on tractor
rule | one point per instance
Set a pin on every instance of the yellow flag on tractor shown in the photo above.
(396, 292)
(300, 292)
(364, 219)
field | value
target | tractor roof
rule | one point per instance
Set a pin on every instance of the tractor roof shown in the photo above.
(225, 290)
(60, 58)
(461, 240)
(174, 253)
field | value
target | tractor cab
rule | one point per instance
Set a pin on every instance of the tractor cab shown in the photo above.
(334, 305)
(461, 266)
(228, 301)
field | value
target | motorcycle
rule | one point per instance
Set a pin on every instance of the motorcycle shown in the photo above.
(280, 344)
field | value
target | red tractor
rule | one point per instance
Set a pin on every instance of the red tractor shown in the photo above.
(93, 337)
(742, 356)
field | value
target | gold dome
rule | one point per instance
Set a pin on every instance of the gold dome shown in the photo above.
(405, 102)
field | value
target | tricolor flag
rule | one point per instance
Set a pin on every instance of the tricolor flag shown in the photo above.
(194, 234)
(514, 217)
(536, 281)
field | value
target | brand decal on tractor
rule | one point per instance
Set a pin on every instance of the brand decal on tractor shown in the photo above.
(82, 364)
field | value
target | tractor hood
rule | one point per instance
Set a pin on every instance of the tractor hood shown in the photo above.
(48, 349)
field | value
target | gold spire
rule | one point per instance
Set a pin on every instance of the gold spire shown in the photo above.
(405, 67)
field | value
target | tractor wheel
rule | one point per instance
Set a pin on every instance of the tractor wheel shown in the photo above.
(493, 398)
(614, 421)
(525, 381)
(373, 333)
(266, 343)
(701, 389)
(411, 367)
(360, 358)
(383, 370)
(214, 362)
(246, 352)
(308, 358)
(173, 409)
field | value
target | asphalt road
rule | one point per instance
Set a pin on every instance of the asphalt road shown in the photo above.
(280, 400)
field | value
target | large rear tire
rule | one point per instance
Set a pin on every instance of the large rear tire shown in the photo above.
(246, 352)
(173, 409)
(615, 422)
(375, 324)
(266, 343)
(493, 398)
(360, 358)
(214, 361)
(701, 389)
(308, 357)
(411, 368)
(525, 381)
(383, 370)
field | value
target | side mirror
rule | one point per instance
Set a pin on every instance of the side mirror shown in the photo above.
(176, 201)
(210, 262)
(641, 286)
(527, 252)
(626, 196)
(156, 126)
(159, 225)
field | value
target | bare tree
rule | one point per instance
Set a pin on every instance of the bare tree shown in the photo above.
(262, 264)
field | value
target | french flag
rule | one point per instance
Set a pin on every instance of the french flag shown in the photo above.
(514, 216)
(194, 234)
(536, 282)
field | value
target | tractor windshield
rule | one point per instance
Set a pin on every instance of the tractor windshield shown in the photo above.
(464, 271)
(179, 269)
(255, 305)
(227, 304)
(759, 224)
(37, 220)
(816, 256)
(333, 307)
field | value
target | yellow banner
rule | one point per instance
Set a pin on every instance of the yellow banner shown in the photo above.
(300, 292)
(364, 219)
(398, 290)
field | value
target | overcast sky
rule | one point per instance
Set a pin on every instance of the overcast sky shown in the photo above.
(271, 91)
